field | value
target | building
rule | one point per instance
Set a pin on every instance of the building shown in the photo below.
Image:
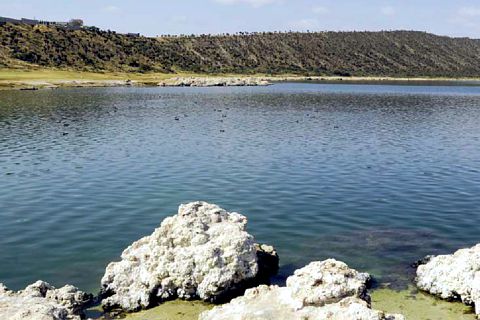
(74, 24)
(131, 35)
(4, 20)
(29, 21)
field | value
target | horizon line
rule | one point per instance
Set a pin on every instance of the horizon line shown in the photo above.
(246, 33)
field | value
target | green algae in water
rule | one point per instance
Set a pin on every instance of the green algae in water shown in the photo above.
(415, 305)
(171, 310)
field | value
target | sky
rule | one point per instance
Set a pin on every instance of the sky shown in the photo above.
(460, 18)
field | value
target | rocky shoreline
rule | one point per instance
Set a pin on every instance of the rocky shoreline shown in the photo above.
(41, 301)
(205, 81)
(322, 290)
(35, 85)
(453, 277)
(172, 82)
(214, 82)
(205, 253)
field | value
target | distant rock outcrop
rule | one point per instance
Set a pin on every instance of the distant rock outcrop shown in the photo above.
(213, 82)
(321, 290)
(453, 277)
(203, 252)
(41, 301)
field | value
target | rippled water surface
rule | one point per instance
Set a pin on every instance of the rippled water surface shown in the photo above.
(377, 176)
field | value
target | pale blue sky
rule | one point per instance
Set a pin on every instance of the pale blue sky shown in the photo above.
(152, 17)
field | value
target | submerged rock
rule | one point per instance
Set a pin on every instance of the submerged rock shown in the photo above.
(203, 252)
(321, 290)
(41, 301)
(454, 277)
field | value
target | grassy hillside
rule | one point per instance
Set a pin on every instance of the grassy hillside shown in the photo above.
(397, 53)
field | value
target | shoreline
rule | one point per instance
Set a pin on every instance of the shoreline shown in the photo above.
(411, 302)
(185, 270)
(53, 79)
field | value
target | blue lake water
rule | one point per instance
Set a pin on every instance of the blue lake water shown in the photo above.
(375, 175)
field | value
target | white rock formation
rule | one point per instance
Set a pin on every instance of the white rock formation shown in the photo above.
(454, 276)
(322, 290)
(212, 82)
(203, 252)
(328, 281)
(41, 301)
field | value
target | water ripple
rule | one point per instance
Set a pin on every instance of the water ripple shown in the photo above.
(378, 176)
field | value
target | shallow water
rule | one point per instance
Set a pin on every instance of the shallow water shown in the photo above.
(378, 176)
(411, 303)
(415, 305)
(170, 310)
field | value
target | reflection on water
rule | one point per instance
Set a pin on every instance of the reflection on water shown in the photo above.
(377, 176)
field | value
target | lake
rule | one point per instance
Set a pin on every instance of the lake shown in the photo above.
(375, 175)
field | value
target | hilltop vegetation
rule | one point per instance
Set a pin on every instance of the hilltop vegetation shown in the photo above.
(395, 53)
